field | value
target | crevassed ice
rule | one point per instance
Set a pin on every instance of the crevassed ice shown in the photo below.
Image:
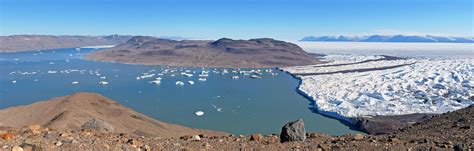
(367, 65)
(427, 86)
(339, 59)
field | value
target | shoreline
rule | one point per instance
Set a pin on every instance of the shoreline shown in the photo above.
(176, 66)
(351, 122)
(373, 125)
(55, 48)
(370, 124)
(85, 57)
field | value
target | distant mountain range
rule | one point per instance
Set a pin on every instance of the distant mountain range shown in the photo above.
(17, 43)
(391, 38)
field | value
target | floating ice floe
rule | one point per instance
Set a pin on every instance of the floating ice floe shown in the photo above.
(218, 109)
(75, 82)
(203, 75)
(199, 113)
(103, 82)
(191, 82)
(146, 75)
(186, 74)
(419, 86)
(14, 81)
(179, 83)
(255, 77)
(157, 82)
(235, 77)
(202, 79)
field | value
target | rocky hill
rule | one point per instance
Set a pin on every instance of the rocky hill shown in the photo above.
(91, 111)
(224, 52)
(17, 43)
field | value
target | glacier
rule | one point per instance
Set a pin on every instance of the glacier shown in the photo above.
(413, 85)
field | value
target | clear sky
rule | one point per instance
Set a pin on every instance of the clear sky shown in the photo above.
(241, 19)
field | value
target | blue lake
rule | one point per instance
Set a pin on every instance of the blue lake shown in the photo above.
(241, 106)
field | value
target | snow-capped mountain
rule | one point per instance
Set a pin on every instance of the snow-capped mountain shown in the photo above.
(392, 38)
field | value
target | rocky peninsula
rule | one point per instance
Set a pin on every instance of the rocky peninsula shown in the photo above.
(226, 53)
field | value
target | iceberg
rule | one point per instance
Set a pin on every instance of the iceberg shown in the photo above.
(103, 82)
(199, 113)
(157, 82)
(255, 77)
(179, 83)
(186, 74)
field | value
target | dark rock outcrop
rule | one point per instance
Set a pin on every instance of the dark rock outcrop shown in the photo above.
(377, 125)
(98, 125)
(293, 131)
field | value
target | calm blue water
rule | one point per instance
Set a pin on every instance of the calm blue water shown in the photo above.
(247, 105)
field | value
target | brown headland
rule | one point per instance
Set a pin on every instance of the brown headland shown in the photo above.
(225, 53)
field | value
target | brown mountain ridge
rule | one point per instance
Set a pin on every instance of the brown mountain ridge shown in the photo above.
(18, 43)
(253, 53)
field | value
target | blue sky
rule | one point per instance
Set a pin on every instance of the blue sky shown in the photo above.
(241, 19)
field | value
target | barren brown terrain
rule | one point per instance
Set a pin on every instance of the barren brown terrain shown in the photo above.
(227, 53)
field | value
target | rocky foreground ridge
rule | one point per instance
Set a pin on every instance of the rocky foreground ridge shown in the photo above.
(91, 111)
(449, 131)
(253, 53)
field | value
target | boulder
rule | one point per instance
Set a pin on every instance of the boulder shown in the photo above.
(35, 129)
(17, 148)
(7, 136)
(313, 135)
(98, 125)
(195, 138)
(256, 137)
(293, 131)
(134, 142)
(358, 137)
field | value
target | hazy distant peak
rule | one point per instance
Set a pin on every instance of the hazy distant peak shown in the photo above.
(140, 39)
(392, 38)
